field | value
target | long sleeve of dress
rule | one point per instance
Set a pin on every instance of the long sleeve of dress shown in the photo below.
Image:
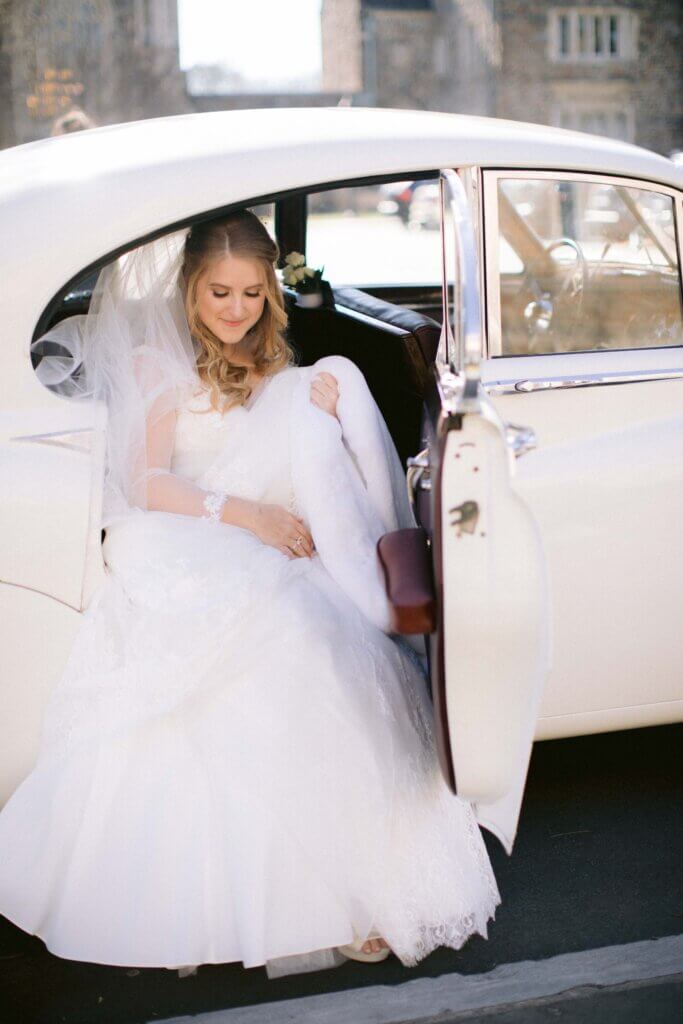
(164, 490)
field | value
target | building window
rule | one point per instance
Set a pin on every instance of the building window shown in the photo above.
(615, 120)
(592, 34)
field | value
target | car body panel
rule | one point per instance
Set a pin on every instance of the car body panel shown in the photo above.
(608, 499)
(37, 633)
(51, 472)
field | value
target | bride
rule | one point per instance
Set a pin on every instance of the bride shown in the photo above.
(238, 763)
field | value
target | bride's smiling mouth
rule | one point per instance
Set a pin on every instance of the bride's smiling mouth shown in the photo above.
(232, 323)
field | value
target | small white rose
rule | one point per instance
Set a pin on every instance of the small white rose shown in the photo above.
(288, 276)
(300, 273)
(295, 259)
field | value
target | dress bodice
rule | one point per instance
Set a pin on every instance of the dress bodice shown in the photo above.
(244, 451)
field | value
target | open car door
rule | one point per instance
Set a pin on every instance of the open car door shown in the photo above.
(490, 649)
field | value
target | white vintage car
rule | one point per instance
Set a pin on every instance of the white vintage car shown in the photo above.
(527, 357)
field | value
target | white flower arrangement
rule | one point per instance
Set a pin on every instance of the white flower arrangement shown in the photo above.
(297, 275)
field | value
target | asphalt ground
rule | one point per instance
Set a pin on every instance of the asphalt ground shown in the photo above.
(597, 863)
(654, 1002)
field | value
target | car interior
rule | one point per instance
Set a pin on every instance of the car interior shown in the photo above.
(586, 266)
(391, 333)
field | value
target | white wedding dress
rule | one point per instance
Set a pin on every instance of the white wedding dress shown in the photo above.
(238, 764)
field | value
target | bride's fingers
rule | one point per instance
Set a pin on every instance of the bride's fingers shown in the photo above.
(307, 540)
(301, 544)
(299, 525)
(307, 546)
(324, 390)
(324, 402)
(285, 551)
(327, 379)
(325, 382)
(321, 392)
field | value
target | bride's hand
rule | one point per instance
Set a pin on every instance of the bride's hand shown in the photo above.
(273, 525)
(325, 392)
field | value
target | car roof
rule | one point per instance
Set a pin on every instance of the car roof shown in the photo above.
(99, 190)
(324, 143)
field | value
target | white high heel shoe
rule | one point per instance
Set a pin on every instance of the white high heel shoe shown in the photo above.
(354, 951)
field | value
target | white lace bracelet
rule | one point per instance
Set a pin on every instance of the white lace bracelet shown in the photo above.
(213, 503)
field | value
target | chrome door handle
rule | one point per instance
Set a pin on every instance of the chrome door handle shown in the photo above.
(558, 382)
(510, 387)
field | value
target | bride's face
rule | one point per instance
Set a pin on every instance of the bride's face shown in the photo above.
(230, 297)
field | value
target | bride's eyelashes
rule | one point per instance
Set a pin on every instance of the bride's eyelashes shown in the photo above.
(248, 295)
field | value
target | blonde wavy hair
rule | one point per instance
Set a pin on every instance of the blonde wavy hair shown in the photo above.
(237, 234)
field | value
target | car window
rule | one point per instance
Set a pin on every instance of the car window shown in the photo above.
(266, 213)
(376, 234)
(586, 265)
(56, 352)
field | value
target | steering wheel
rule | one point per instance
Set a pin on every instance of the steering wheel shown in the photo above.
(578, 277)
(573, 286)
(540, 312)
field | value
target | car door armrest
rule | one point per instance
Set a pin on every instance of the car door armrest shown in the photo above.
(406, 562)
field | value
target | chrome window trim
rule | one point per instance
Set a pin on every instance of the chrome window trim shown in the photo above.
(77, 440)
(524, 386)
(43, 593)
(461, 339)
(475, 194)
(492, 335)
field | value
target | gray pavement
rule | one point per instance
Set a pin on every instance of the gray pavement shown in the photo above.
(651, 1002)
(586, 983)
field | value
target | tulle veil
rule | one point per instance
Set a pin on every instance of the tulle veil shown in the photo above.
(132, 351)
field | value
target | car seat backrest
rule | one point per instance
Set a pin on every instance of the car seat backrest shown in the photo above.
(424, 329)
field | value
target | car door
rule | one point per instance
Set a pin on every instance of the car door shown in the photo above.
(52, 471)
(585, 336)
(490, 650)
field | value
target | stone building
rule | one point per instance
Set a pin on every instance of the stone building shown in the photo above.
(611, 68)
(116, 59)
(615, 70)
